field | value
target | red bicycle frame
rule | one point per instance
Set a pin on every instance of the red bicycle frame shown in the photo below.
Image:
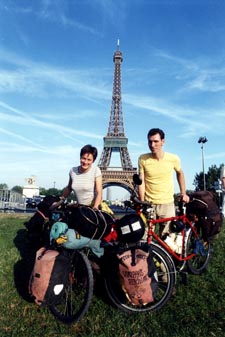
(151, 234)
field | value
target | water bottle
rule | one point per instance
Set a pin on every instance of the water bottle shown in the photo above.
(179, 243)
(169, 240)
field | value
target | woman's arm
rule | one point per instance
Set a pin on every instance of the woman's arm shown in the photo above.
(98, 191)
(67, 189)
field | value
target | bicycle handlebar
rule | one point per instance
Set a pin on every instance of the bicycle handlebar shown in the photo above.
(136, 200)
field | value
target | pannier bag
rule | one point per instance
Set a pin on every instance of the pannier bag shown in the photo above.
(203, 209)
(90, 222)
(49, 277)
(137, 273)
(130, 228)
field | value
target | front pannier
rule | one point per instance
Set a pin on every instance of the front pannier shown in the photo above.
(49, 277)
(137, 274)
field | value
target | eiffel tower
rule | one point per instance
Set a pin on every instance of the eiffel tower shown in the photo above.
(115, 140)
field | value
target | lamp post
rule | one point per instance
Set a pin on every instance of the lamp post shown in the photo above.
(203, 140)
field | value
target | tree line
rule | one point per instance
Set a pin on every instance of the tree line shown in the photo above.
(212, 178)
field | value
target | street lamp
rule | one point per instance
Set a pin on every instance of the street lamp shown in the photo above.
(203, 140)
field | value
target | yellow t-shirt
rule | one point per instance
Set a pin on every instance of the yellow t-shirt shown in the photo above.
(159, 185)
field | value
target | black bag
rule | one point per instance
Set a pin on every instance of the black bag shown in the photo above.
(203, 209)
(49, 277)
(130, 228)
(137, 273)
(90, 222)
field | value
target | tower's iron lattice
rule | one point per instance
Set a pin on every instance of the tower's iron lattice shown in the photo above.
(115, 140)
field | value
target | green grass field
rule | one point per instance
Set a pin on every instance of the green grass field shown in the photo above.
(197, 309)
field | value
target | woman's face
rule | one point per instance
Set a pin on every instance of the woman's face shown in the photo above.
(86, 161)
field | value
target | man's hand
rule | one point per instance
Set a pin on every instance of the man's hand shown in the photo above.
(185, 198)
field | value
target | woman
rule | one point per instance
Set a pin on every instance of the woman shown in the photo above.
(86, 180)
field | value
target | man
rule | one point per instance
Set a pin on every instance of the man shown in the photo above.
(222, 178)
(156, 171)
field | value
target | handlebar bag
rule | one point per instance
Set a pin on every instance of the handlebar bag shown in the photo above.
(130, 228)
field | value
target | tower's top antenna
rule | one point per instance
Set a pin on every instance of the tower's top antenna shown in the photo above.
(118, 44)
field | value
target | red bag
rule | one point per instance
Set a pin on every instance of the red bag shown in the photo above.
(136, 268)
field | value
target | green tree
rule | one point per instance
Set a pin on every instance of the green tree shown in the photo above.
(42, 191)
(17, 189)
(50, 191)
(4, 187)
(53, 191)
(211, 177)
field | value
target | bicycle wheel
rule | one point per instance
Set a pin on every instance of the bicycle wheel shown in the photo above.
(202, 250)
(165, 271)
(78, 293)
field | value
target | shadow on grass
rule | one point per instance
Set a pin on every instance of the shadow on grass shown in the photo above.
(100, 291)
(23, 267)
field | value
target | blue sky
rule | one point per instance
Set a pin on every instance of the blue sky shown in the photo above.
(56, 76)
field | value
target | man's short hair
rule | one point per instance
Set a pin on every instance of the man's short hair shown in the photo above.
(153, 132)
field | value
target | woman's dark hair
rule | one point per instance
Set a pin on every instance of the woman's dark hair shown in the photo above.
(89, 149)
(154, 131)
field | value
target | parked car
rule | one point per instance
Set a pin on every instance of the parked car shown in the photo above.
(37, 199)
(31, 203)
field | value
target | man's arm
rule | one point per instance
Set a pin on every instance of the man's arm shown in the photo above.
(141, 188)
(181, 183)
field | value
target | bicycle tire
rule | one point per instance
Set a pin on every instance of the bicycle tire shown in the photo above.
(199, 262)
(78, 293)
(165, 287)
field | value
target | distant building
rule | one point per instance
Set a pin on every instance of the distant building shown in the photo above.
(30, 189)
(109, 193)
(11, 201)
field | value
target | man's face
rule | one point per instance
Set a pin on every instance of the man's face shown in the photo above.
(155, 143)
